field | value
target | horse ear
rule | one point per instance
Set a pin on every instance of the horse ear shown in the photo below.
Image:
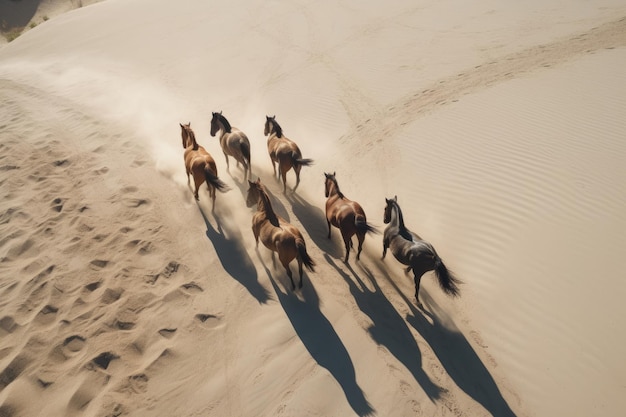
(220, 112)
(387, 200)
(250, 183)
(334, 173)
(395, 198)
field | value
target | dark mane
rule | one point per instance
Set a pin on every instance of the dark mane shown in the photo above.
(334, 180)
(222, 119)
(278, 131)
(192, 136)
(403, 231)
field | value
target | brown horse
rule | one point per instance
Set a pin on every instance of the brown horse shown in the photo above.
(346, 215)
(234, 143)
(283, 151)
(276, 234)
(409, 249)
(200, 164)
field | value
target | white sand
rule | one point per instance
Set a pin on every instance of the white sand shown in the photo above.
(499, 127)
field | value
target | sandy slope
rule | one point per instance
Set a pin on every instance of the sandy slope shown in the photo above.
(119, 295)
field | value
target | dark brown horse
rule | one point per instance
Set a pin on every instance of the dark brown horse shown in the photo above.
(409, 249)
(347, 215)
(200, 164)
(284, 152)
(234, 142)
(276, 234)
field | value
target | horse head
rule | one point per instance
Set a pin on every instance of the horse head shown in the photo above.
(184, 132)
(272, 126)
(390, 204)
(215, 123)
(330, 182)
(254, 192)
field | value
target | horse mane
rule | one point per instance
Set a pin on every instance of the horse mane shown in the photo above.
(339, 193)
(401, 227)
(264, 199)
(278, 131)
(192, 136)
(225, 122)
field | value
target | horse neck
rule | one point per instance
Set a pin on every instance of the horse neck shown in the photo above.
(224, 125)
(397, 218)
(275, 130)
(334, 189)
(265, 206)
(191, 141)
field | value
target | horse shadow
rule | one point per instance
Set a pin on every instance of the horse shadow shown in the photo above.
(456, 354)
(321, 341)
(313, 219)
(388, 328)
(234, 257)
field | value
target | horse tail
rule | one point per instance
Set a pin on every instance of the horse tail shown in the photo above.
(305, 162)
(212, 179)
(363, 226)
(304, 255)
(447, 281)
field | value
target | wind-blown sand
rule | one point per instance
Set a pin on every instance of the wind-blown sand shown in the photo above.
(500, 127)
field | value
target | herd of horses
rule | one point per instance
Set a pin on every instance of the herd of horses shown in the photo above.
(283, 238)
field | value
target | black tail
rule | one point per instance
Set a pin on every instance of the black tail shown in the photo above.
(447, 281)
(304, 256)
(306, 162)
(363, 226)
(212, 179)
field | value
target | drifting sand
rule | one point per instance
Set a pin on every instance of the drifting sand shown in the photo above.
(499, 127)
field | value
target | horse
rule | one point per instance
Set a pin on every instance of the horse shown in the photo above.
(276, 234)
(200, 164)
(346, 215)
(283, 151)
(234, 143)
(411, 250)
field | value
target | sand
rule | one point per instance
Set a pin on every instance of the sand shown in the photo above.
(499, 127)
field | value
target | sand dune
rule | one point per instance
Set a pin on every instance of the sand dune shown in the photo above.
(498, 126)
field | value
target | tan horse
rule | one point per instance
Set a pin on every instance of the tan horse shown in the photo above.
(276, 234)
(283, 151)
(234, 143)
(346, 215)
(200, 164)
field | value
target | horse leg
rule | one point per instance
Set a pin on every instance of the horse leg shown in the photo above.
(385, 246)
(284, 175)
(361, 238)
(197, 182)
(328, 222)
(212, 194)
(417, 280)
(297, 171)
(300, 271)
(227, 163)
(289, 274)
(348, 242)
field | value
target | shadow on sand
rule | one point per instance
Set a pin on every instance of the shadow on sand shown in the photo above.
(313, 219)
(321, 341)
(234, 258)
(389, 328)
(455, 353)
